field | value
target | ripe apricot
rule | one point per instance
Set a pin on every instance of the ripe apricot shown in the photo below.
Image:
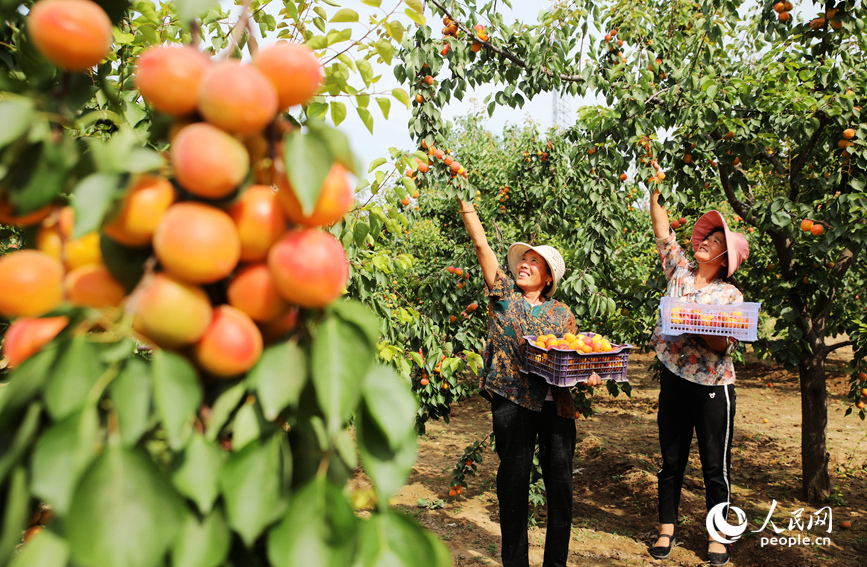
(237, 98)
(843, 144)
(73, 34)
(31, 283)
(623, 177)
(335, 199)
(294, 71)
(848, 133)
(170, 312)
(93, 286)
(8, 215)
(277, 329)
(254, 292)
(168, 77)
(207, 161)
(817, 230)
(784, 16)
(806, 225)
(231, 345)
(259, 220)
(197, 243)
(54, 231)
(309, 267)
(84, 251)
(27, 335)
(141, 211)
(476, 47)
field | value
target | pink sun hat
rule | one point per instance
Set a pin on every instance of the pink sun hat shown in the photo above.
(736, 243)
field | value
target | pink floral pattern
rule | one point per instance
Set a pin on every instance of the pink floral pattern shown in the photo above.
(686, 355)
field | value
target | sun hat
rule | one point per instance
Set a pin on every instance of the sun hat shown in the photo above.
(736, 243)
(556, 265)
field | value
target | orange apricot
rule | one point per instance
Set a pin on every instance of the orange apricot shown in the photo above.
(254, 292)
(170, 312)
(8, 214)
(293, 69)
(237, 98)
(259, 220)
(168, 77)
(27, 335)
(231, 345)
(73, 34)
(277, 329)
(31, 283)
(806, 225)
(208, 162)
(335, 199)
(141, 211)
(82, 251)
(93, 286)
(817, 230)
(309, 267)
(197, 243)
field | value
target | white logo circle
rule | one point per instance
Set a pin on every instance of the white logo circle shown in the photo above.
(716, 523)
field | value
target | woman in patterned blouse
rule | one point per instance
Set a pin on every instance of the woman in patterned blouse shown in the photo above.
(697, 382)
(524, 407)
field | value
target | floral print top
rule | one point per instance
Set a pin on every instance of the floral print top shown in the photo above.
(510, 317)
(686, 355)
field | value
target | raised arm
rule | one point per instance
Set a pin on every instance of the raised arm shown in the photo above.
(658, 216)
(486, 256)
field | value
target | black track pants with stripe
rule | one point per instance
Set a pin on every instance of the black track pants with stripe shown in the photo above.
(685, 407)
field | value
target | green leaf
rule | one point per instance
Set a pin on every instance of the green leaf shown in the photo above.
(358, 314)
(376, 163)
(124, 512)
(14, 513)
(21, 440)
(91, 199)
(279, 377)
(338, 112)
(29, 378)
(223, 407)
(401, 96)
(177, 396)
(249, 424)
(132, 395)
(374, 3)
(385, 50)
(47, 550)
(319, 528)
(341, 353)
(60, 457)
(388, 468)
(197, 472)
(390, 538)
(360, 232)
(308, 160)
(384, 106)
(415, 16)
(390, 403)
(41, 174)
(188, 10)
(338, 143)
(15, 116)
(396, 30)
(251, 485)
(202, 544)
(74, 374)
(366, 118)
(415, 5)
(344, 15)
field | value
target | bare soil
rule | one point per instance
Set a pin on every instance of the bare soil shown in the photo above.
(615, 479)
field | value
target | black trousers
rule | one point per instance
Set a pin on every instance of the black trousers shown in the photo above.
(685, 406)
(516, 430)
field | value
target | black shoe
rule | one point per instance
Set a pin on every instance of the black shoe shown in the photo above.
(718, 559)
(661, 552)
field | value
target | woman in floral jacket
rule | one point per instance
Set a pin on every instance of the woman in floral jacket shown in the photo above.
(524, 407)
(697, 383)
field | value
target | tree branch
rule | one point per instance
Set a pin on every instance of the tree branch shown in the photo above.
(831, 348)
(802, 158)
(779, 166)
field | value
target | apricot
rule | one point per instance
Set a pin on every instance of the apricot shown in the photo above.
(27, 335)
(31, 283)
(259, 220)
(254, 292)
(55, 230)
(806, 225)
(168, 77)
(197, 243)
(73, 34)
(82, 251)
(277, 329)
(8, 214)
(170, 312)
(335, 199)
(208, 162)
(817, 230)
(309, 267)
(237, 98)
(293, 69)
(231, 345)
(93, 286)
(141, 211)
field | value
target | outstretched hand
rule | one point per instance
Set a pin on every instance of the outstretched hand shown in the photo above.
(594, 380)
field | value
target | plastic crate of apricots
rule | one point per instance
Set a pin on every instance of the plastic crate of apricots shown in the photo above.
(738, 320)
(565, 361)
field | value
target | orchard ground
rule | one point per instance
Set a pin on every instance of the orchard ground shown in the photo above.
(615, 483)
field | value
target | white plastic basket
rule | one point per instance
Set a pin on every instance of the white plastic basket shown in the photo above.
(738, 320)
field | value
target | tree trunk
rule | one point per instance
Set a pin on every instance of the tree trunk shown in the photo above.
(814, 426)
